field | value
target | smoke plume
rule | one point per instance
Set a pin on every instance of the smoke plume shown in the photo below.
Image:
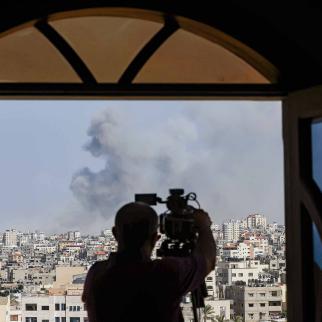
(230, 154)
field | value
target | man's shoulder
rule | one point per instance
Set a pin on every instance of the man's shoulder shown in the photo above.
(100, 264)
(97, 268)
(176, 264)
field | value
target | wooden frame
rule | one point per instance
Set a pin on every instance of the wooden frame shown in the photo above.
(303, 202)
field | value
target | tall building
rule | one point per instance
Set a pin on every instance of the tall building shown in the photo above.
(231, 230)
(71, 235)
(256, 221)
(10, 237)
(77, 234)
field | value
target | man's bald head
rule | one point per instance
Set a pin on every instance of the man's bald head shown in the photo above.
(135, 223)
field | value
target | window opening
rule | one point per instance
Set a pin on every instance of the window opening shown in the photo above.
(177, 143)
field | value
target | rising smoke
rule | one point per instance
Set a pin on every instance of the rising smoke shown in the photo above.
(230, 154)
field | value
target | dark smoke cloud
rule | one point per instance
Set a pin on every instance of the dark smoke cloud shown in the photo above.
(229, 153)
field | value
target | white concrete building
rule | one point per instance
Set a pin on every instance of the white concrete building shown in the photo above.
(71, 235)
(256, 221)
(10, 238)
(220, 307)
(45, 248)
(5, 309)
(231, 230)
(41, 236)
(15, 314)
(255, 304)
(228, 273)
(238, 251)
(210, 281)
(23, 239)
(53, 308)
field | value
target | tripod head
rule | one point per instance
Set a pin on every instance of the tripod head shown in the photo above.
(177, 223)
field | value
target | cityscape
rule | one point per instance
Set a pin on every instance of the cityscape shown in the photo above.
(42, 276)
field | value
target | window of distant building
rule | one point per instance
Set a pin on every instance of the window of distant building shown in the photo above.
(274, 303)
(262, 304)
(56, 306)
(31, 319)
(31, 307)
(74, 319)
(45, 308)
(251, 304)
(251, 294)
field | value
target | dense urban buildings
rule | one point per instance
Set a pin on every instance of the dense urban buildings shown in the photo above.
(42, 277)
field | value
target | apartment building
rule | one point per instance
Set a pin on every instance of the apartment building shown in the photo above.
(5, 309)
(10, 238)
(238, 251)
(230, 272)
(53, 308)
(231, 230)
(256, 221)
(210, 281)
(32, 275)
(256, 304)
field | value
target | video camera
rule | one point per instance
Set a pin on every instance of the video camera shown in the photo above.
(177, 223)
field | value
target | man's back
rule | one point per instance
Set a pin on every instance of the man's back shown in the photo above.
(133, 290)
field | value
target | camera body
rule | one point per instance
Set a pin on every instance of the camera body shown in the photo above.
(177, 223)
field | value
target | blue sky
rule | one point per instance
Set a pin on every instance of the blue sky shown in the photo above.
(317, 247)
(317, 152)
(62, 160)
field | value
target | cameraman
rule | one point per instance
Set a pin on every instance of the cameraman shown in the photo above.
(129, 286)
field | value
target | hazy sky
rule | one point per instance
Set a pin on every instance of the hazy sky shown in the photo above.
(70, 164)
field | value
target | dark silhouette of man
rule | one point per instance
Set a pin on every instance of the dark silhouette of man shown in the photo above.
(129, 286)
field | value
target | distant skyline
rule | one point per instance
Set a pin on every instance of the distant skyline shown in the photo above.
(68, 165)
